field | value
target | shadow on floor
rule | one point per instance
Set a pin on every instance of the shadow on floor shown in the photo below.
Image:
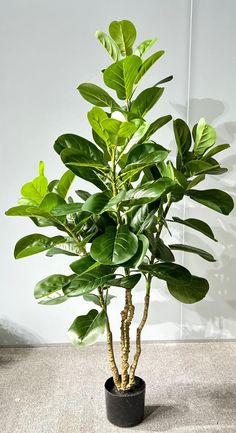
(13, 336)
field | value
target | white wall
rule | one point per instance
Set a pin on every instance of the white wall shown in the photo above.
(47, 49)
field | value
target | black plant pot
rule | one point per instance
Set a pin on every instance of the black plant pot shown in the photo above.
(125, 408)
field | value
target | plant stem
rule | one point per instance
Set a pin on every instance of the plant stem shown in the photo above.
(138, 333)
(127, 316)
(114, 182)
(110, 350)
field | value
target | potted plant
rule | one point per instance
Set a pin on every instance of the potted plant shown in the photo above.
(115, 235)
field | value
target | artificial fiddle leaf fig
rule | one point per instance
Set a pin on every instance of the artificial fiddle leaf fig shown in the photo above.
(115, 225)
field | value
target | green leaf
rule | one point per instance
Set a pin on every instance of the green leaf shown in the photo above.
(109, 45)
(117, 129)
(96, 202)
(66, 209)
(189, 249)
(146, 100)
(138, 258)
(49, 202)
(34, 244)
(83, 194)
(53, 283)
(128, 282)
(95, 117)
(182, 136)
(149, 160)
(195, 291)
(114, 246)
(86, 282)
(96, 95)
(64, 183)
(198, 167)
(164, 80)
(83, 265)
(54, 301)
(157, 124)
(74, 159)
(147, 64)
(162, 252)
(148, 192)
(124, 34)
(35, 190)
(70, 248)
(205, 137)
(80, 144)
(86, 329)
(120, 76)
(144, 46)
(22, 210)
(170, 272)
(196, 181)
(214, 150)
(198, 225)
(215, 199)
(91, 297)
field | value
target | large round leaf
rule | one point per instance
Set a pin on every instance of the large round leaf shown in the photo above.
(124, 34)
(114, 246)
(120, 76)
(205, 137)
(195, 291)
(215, 199)
(85, 330)
(170, 272)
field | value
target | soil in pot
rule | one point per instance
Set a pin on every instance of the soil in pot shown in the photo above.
(125, 408)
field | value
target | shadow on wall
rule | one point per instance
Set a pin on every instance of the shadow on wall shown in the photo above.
(220, 305)
(11, 334)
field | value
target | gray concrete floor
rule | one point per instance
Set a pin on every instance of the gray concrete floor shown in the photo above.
(191, 388)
